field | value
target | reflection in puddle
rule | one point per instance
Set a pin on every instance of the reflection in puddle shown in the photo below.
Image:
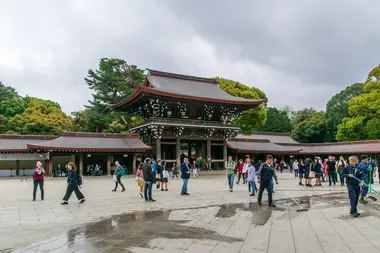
(123, 233)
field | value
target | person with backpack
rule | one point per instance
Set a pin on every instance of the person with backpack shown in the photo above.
(73, 183)
(119, 171)
(38, 180)
(164, 177)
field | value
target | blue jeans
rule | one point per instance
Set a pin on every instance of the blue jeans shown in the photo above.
(148, 190)
(252, 187)
(184, 186)
(230, 178)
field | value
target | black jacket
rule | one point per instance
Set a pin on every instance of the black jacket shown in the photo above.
(331, 166)
(148, 173)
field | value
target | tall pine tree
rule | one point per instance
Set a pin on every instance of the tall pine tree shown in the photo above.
(113, 81)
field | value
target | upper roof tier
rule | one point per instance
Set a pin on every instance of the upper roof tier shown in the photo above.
(181, 87)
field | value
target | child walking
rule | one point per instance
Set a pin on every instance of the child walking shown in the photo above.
(251, 178)
(353, 184)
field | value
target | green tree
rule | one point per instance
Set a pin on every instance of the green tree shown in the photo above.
(277, 121)
(113, 81)
(298, 116)
(7, 92)
(42, 117)
(251, 119)
(363, 112)
(3, 124)
(12, 106)
(337, 109)
(311, 129)
(80, 121)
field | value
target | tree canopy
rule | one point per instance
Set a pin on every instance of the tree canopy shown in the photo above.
(251, 119)
(30, 115)
(363, 120)
(311, 129)
(337, 109)
(277, 121)
(113, 81)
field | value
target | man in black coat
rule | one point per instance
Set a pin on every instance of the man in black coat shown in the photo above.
(148, 178)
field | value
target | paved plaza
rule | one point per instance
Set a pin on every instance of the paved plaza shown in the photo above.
(211, 219)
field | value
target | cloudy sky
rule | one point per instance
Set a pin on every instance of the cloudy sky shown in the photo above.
(299, 53)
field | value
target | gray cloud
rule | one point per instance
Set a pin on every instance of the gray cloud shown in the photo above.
(299, 52)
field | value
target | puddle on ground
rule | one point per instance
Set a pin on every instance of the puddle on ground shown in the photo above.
(122, 233)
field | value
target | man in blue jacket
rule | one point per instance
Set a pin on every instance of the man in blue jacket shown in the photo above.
(365, 167)
(353, 184)
(265, 178)
(185, 175)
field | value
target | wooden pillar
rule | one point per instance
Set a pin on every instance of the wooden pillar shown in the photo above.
(178, 152)
(208, 147)
(17, 168)
(50, 164)
(134, 163)
(158, 149)
(81, 164)
(225, 151)
(108, 165)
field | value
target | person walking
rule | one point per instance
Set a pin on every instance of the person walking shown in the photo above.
(240, 170)
(265, 178)
(140, 179)
(230, 167)
(200, 162)
(331, 170)
(118, 174)
(364, 165)
(175, 171)
(340, 166)
(318, 171)
(295, 168)
(158, 174)
(148, 181)
(353, 184)
(164, 177)
(185, 175)
(38, 180)
(72, 185)
(245, 168)
(301, 170)
(195, 169)
(251, 180)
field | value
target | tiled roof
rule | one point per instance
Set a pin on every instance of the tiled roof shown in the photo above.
(17, 143)
(260, 146)
(73, 142)
(278, 138)
(354, 147)
(185, 87)
(93, 142)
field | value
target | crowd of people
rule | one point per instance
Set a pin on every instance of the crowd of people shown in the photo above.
(357, 176)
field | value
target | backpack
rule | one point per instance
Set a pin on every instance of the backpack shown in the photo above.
(122, 171)
(80, 180)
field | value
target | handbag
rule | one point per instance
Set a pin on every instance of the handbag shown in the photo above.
(114, 178)
(165, 174)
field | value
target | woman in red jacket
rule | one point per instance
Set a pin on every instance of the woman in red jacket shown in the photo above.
(240, 171)
(38, 179)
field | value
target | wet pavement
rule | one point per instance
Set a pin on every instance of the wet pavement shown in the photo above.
(240, 226)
